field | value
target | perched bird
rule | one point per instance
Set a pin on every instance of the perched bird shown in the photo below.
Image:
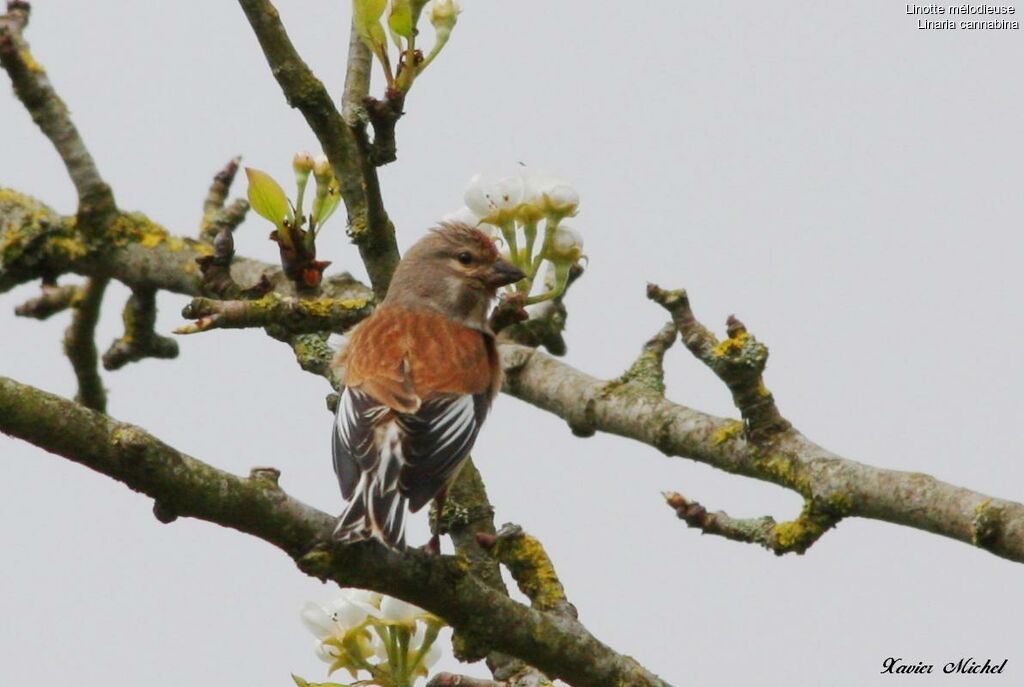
(419, 377)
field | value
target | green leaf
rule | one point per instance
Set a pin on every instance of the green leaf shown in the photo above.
(302, 683)
(325, 205)
(365, 15)
(267, 197)
(401, 20)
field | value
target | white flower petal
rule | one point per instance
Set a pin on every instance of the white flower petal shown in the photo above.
(536, 183)
(317, 620)
(416, 641)
(394, 610)
(563, 196)
(567, 241)
(475, 196)
(379, 649)
(547, 192)
(506, 192)
(348, 615)
(432, 656)
(485, 197)
(326, 652)
(365, 599)
(462, 216)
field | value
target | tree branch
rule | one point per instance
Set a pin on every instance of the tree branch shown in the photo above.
(80, 345)
(185, 487)
(739, 361)
(369, 225)
(296, 315)
(532, 569)
(140, 339)
(213, 204)
(35, 241)
(357, 80)
(33, 88)
(52, 300)
(796, 536)
(836, 486)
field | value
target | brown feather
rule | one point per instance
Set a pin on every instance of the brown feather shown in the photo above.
(403, 357)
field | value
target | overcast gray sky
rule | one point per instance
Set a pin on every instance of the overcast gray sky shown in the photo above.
(848, 185)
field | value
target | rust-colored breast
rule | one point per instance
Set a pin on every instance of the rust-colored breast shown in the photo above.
(420, 351)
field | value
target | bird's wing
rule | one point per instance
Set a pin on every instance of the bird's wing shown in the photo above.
(353, 446)
(437, 438)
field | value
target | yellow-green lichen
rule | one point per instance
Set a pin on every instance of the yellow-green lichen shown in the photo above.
(728, 431)
(731, 345)
(784, 470)
(30, 61)
(135, 227)
(324, 307)
(533, 571)
(986, 528)
(68, 247)
(797, 535)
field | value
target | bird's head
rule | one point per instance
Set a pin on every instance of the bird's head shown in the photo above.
(455, 269)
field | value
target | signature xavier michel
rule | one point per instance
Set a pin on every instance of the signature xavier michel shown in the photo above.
(963, 666)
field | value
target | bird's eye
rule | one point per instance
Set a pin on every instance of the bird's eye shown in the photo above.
(465, 258)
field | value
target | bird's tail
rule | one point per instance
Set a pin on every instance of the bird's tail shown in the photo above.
(374, 513)
(377, 509)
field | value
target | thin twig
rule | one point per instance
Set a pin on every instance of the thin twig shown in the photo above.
(80, 345)
(213, 204)
(52, 300)
(140, 339)
(33, 88)
(739, 361)
(369, 226)
(294, 315)
(357, 79)
(795, 536)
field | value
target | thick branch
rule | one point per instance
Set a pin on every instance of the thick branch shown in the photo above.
(835, 485)
(35, 241)
(369, 225)
(185, 487)
(469, 518)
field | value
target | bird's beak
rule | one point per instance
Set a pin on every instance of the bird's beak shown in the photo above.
(504, 273)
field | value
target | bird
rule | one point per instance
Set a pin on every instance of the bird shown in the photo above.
(418, 376)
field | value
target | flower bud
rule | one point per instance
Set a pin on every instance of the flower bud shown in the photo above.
(443, 15)
(566, 245)
(322, 170)
(302, 163)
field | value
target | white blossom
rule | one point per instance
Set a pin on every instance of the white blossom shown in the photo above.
(462, 216)
(567, 244)
(494, 201)
(396, 611)
(549, 194)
